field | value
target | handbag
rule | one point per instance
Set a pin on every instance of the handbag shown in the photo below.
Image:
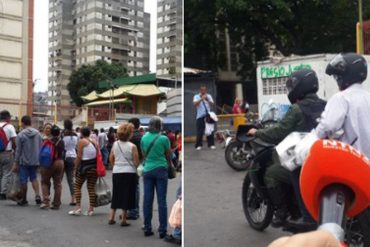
(102, 192)
(100, 167)
(171, 171)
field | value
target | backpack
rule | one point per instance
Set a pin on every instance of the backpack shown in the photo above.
(3, 139)
(47, 153)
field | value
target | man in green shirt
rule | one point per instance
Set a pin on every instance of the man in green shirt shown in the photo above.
(157, 153)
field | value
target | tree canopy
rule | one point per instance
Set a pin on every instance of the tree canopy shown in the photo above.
(298, 27)
(85, 79)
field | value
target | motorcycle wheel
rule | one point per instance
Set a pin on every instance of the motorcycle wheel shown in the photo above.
(235, 157)
(257, 211)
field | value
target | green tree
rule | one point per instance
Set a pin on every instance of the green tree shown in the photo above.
(297, 27)
(86, 78)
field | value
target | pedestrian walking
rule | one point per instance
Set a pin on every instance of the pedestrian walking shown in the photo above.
(125, 159)
(70, 139)
(133, 214)
(26, 160)
(111, 138)
(8, 141)
(46, 134)
(54, 171)
(103, 142)
(85, 171)
(203, 102)
(157, 152)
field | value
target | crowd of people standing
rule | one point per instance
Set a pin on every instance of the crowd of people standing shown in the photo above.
(75, 153)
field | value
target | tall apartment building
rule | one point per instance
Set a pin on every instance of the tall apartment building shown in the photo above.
(169, 39)
(16, 55)
(82, 32)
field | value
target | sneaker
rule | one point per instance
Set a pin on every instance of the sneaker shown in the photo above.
(130, 217)
(22, 202)
(148, 233)
(199, 148)
(163, 235)
(2, 196)
(171, 239)
(213, 147)
(44, 206)
(38, 200)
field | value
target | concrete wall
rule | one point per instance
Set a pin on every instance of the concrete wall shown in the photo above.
(174, 102)
(16, 39)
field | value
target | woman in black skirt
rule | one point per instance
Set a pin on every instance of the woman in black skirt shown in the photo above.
(125, 158)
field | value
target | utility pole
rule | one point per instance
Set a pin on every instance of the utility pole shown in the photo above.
(360, 49)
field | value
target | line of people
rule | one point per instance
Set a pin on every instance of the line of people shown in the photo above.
(74, 153)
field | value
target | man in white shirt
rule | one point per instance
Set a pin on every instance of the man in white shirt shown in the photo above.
(203, 102)
(6, 156)
(349, 110)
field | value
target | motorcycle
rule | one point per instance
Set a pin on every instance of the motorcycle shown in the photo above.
(257, 206)
(238, 154)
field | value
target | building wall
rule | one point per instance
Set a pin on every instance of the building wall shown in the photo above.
(16, 55)
(83, 32)
(169, 38)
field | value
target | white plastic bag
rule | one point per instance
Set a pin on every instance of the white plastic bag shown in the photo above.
(286, 150)
(103, 193)
(210, 127)
(15, 188)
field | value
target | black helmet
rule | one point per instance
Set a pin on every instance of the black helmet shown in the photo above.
(300, 83)
(347, 69)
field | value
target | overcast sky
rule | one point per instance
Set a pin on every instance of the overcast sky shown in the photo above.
(40, 45)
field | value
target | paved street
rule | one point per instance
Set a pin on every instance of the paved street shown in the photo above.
(213, 210)
(32, 227)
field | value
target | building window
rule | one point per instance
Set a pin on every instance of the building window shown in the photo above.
(274, 86)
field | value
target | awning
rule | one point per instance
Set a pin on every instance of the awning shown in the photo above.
(107, 102)
(142, 90)
(116, 92)
(90, 97)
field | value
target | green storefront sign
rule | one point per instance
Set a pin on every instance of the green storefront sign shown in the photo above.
(281, 71)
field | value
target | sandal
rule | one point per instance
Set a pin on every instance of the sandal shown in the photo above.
(111, 222)
(75, 212)
(125, 224)
(90, 213)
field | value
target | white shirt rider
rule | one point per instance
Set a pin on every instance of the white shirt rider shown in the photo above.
(348, 110)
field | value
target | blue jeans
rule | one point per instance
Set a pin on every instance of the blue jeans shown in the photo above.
(176, 233)
(157, 180)
(105, 154)
(134, 213)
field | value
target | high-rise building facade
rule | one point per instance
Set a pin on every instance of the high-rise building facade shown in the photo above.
(169, 39)
(16, 55)
(82, 32)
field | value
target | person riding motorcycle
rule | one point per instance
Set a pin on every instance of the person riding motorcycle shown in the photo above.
(349, 110)
(302, 115)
